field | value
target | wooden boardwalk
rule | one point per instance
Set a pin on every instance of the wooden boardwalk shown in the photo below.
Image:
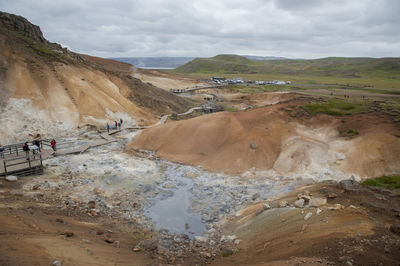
(16, 162)
(107, 138)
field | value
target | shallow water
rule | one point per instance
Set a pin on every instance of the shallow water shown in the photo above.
(158, 194)
(173, 213)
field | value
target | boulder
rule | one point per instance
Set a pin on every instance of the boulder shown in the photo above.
(68, 233)
(316, 202)
(255, 196)
(266, 206)
(308, 215)
(149, 244)
(336, 207)
(305, 197)
(348, 184)
(253, 145)
(56, 263)
(395, 228)
(92, 204)
(283, 204)
(299, 203)
(318, 211)
(11, 178)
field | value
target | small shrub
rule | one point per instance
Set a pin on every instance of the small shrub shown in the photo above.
(352, 132)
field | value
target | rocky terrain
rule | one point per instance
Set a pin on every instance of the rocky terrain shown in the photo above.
(272, 140)
(65, 90)
(270, 181)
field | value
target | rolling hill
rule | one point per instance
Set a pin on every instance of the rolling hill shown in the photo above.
(374, 72)
(44, 85)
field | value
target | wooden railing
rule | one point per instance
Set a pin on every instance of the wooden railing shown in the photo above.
(23, 165)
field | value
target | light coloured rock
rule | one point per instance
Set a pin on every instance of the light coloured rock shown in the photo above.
(266, 206)
(318, 211)
(308, 215)
(11, 178)
(336, 207)
(283, 204)
(299, 203)
(200, 238)
(304, 197)
(226, 238)
(316, 202)
(57, 263)
(253, 145)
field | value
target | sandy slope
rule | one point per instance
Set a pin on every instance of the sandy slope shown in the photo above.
(164, 80)
(268, 139)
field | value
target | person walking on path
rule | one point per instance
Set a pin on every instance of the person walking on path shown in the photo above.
(116, 124)
(26, 149)
(121, 121)
(119, 125)
(1, 151)
(108, 128)
(53, 144)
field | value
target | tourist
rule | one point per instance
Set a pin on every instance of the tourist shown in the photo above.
(35, 149)
(108, 128)
(121, 121)
(119, 125)
(53, 144)
(116, 124)
(26, 149)
(1, 151)
(37, 143)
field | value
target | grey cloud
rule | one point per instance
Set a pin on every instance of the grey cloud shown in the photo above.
(307, 28)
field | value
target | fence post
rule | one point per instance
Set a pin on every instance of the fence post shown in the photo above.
(29, 161)
(5, 167)
(16, 149)
(41, 163)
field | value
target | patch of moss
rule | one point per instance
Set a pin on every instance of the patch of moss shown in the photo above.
(352, 132)
(336, 107)
(389, 182)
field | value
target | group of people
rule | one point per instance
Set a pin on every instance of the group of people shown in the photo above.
(36, 147)
(117, 125)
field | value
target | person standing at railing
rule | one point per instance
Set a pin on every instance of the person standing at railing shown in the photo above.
(35, 150)
(1, 151)
(53, 144)
(26, 149)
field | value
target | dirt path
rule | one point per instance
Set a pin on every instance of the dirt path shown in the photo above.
(34, 232)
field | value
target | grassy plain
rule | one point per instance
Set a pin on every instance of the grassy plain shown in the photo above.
(361, 74)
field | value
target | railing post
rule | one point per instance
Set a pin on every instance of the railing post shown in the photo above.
(29, 161)
(41, 163)
(5, 167)
(16, 149)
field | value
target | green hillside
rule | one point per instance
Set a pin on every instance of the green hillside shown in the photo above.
(383, 73)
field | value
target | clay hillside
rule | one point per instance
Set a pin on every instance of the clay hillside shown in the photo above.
(50, 84)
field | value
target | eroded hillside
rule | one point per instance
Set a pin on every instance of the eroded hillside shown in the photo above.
(46, 85)
(271, 139)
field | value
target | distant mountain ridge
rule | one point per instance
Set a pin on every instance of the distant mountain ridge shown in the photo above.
(155, 62)
(344, 67)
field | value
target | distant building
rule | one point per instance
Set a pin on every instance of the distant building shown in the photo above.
(218, 79)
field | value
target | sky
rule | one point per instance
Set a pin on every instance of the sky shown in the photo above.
(204, 28)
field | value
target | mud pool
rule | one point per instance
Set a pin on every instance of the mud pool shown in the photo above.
(154, 193)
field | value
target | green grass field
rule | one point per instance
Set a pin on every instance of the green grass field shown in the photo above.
(337, 107)
(362, 74)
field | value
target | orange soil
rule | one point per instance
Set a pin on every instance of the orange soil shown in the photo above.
(221, 142)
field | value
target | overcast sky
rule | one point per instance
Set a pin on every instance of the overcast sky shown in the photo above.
(289, 28)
